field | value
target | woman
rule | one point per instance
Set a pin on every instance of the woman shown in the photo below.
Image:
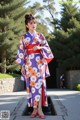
(33, 55)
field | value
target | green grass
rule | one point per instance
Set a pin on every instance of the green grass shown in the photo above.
(9, 75)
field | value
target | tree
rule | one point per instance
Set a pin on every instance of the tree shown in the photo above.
(10, 14)
(67, 37)
(36, 11)
(12, 27)
(50, 8)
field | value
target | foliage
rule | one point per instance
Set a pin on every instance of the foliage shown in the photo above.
(78, 87)
(11, 13)
(66, 44)
(12, 27)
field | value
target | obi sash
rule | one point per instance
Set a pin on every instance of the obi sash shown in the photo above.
(30, 49)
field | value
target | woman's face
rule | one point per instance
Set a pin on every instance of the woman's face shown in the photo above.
(32, 25)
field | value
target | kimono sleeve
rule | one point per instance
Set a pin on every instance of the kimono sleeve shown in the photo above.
(45, 50)
(20, 57)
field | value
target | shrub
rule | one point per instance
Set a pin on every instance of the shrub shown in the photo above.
(7, 75)
(78, 87)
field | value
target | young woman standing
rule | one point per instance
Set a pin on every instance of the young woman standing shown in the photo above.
(33, 55)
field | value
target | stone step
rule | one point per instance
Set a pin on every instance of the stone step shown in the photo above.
(37, 118)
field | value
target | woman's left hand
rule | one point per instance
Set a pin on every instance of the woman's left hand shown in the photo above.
(36, 48)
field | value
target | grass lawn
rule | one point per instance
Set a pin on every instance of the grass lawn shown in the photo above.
(7, 75)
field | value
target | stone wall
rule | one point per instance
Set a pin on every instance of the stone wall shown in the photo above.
(11, 85)
(73, 78)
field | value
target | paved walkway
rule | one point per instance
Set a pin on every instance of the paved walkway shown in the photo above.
(66, 104)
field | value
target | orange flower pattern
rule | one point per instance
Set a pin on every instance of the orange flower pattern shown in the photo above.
(32, 83)
(35, 103)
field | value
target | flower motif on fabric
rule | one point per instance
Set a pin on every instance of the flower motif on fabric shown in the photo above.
(27, 40)
(37, 97)
(38, 74)
(18, 60)
(33, 90)
(37, 58)
(35, 39)
(33, 73)
(35, 103)
(31, 56)
(21, 55)
(21, 47)
(50, 56)
(35, 69)
(37, 85)
(33, 78)
(32, 83)
(39, 66)
(40, 81)
(29, 63)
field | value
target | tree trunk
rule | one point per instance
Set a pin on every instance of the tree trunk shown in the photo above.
(3, 66)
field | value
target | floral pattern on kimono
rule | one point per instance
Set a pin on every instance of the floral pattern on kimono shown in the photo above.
(36, 67)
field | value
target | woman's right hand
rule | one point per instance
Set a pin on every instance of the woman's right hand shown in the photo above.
(22, 69)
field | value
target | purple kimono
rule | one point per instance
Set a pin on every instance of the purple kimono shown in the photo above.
(36, 67)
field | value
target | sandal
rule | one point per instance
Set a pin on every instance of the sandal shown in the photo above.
(33, 115)
(42, 116)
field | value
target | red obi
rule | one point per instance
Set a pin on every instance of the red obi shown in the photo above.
(30, 49)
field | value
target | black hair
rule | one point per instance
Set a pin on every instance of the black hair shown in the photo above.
(28, 18)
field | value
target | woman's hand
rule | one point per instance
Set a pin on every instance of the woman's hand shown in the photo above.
(36, 48)
(22, 69)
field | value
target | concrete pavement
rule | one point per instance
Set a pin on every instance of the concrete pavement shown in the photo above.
(66, 104)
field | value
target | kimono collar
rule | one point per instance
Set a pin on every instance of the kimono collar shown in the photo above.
(32, 34)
